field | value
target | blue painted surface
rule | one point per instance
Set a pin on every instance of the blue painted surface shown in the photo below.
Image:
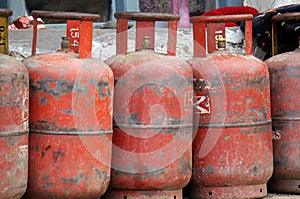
(124, 6)
(17, 6)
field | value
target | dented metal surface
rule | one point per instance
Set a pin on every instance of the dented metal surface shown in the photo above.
(14, 99)
(71, 122)
(232, 150)
(143, 130)
(152, 117)
(285, 93)
(70, 126)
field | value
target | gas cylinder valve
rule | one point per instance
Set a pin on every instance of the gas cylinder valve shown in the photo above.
(146, 42)
(221, 43)
(65, 43)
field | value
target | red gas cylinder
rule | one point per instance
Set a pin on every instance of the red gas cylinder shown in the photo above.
(232, 151)
(14, 97)
(71, 99)
(152, 138)
(285, 94)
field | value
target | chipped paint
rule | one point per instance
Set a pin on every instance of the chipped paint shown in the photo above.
(232, 150)
(14, 96)
(284, 75)
(153, 112)
(71, 103)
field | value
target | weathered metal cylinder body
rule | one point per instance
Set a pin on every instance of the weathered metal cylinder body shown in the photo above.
(152, 138)
(285, 110)
(70, 123)
(232, 150)
(285, 94)
(284, 75)
(14, 99)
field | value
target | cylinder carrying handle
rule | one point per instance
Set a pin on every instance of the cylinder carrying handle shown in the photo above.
(286, 17)
(277, 19)
(214, 23)
(145, 27)
(4, 14)
(86, 28)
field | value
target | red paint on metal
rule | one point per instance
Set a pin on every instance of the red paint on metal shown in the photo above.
(34, 38)
(86, 38)
(14, 165)
(73, 33)
(62, 166)
(172, 38)
(199, 43)
(13, 128)
(86, 27)
(284, 75)
(232, 151)
(214, 31)
(236, 192)
(285, 93)
(152, 118)
(73, 118)
(223, 18)
(172, 194)
(70, 121)
(121, 38)
(141, 120)
(144, 28)
(216, 28)
(248, 36)
(14, 98)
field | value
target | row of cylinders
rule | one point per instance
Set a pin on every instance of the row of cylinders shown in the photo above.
(141, 125)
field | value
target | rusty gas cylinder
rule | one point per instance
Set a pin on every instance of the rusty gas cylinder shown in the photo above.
(14, 99)
(71, 99)
(152, 114)
(232, 151)
(285, 110)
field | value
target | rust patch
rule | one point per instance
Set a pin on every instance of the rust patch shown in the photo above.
(101, 175)
(46, 85)
(75, 180)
